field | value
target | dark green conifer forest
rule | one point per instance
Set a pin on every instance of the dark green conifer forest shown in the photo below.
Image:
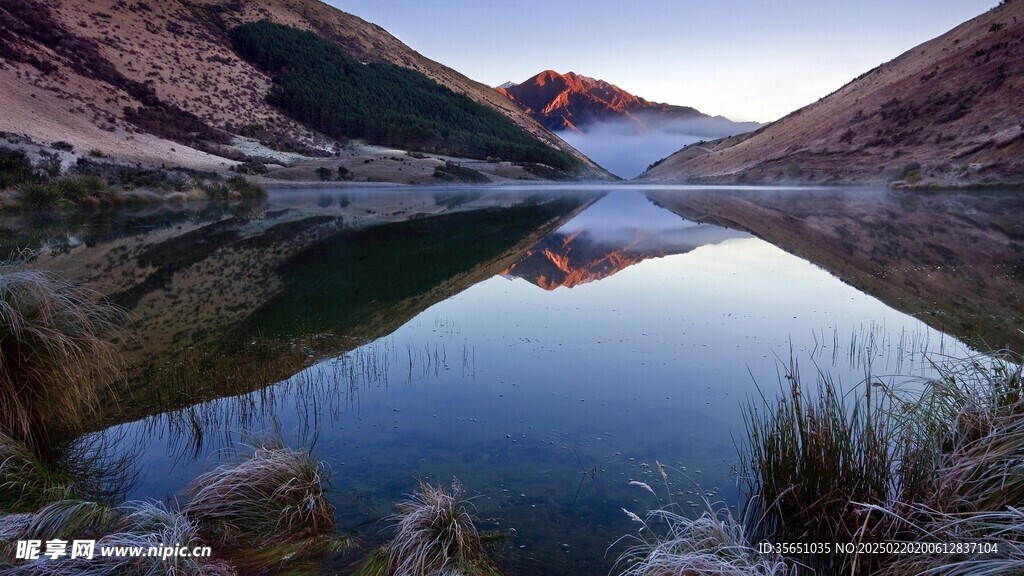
(316, 83)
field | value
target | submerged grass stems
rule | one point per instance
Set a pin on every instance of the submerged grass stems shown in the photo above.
(434, 534)
(57, 347)
(90, 467)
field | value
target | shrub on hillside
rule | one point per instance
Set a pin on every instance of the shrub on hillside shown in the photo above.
(15, 167)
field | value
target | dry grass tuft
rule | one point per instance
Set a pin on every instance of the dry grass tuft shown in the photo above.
(713, 544)
(275, 497)
(135, 524)
(435, 534)
(57, 348)
(978, 479)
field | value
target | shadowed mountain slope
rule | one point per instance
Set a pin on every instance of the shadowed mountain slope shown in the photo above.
(947, 112)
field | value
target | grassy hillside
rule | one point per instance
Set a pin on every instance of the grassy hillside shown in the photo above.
(160, 84)
(316, 83)
(944, 113)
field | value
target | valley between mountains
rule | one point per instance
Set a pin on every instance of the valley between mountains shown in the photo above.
(207, 87)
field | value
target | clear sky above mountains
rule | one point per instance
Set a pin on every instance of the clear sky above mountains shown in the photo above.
(744, 59)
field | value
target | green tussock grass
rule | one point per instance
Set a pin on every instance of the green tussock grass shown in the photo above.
(434, 534)
(58, 347)
(66, 190)
(874, 464)
(245, 188)
(940, 463)
(236, 186)
(26, 483)
(39, 195)
(814, 453)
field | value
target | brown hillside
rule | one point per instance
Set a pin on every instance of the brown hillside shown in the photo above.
(950, 111)
(70, 69)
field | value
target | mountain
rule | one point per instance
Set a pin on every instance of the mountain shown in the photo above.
(574, 102)
(622, 132)
(169, 82)
(620, 230)
(947, 112)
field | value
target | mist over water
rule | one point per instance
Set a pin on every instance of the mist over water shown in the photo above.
(627, 147)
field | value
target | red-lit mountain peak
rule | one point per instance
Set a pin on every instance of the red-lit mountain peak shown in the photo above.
(573, 101)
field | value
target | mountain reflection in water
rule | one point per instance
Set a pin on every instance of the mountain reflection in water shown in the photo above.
(621, 229)
(403, 336)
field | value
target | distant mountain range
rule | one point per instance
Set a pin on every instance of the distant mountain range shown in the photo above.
(947, 112)
(176, 82)
(571, 101)
(620, 131)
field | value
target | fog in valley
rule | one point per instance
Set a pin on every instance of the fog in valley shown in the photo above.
(627, 147)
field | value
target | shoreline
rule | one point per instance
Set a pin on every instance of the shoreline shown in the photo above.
(141, 197)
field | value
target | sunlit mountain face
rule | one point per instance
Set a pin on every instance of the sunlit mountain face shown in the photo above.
(622, 132)
(621, 229)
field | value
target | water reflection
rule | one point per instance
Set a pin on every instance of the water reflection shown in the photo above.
(229, 298)
(408, 339)
(953, 259)
(621, 229)
(546, 404)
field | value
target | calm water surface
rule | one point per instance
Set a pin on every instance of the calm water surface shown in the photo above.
(545, 374)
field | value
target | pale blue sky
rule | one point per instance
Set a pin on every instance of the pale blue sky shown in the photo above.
(745, 59)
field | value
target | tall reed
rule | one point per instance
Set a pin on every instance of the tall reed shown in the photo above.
(875, 464)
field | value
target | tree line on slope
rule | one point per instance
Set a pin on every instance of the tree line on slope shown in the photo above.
(316, 83)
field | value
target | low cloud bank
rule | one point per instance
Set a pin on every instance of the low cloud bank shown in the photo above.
(626, 147)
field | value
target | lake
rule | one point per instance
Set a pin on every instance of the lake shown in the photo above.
(544, 346)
